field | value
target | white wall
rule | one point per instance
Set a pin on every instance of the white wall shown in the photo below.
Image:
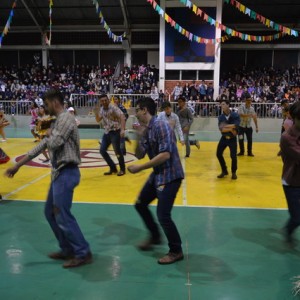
(153, 58)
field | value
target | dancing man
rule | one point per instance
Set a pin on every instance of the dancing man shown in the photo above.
(228, 124)
(62, 142)
(158, 140)
(114, 129)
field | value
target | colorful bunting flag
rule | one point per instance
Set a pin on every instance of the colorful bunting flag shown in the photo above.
(8, 23)
(114, 37)
(255, 16)
(230, 31)
(181, 30)
(48, 40)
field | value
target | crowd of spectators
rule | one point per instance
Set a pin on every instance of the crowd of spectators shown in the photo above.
(24, 85)
(265, 85)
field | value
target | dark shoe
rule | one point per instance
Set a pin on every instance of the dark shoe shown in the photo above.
(127, 140)
(121, 173)
(187, 156)
(148, 244)
(79, 261)
(60, 256)
(223, 174)
(250, 154)
(288, 237)
(240, 154)
(170, 258)
(110, 172)
(233, 176)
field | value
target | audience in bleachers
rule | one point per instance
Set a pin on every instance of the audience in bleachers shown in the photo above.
(265, 85)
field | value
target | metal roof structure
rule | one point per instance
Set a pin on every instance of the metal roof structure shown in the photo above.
(134, 14)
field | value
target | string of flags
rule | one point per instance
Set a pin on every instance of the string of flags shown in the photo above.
(48, 40)
(114, 37)
(8, 23)
(183, 31)
(229, 31)
(255, 16)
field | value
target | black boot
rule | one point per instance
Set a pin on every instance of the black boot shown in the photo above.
(223, 174)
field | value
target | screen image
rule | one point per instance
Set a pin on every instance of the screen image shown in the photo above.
(181, 49)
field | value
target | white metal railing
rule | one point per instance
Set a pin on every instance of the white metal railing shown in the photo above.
(84, 104)
(89, 101)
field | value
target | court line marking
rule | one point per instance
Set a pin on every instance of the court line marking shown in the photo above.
(26, 185)
(131, 204)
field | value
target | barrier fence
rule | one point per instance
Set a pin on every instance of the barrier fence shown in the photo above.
(84, 105)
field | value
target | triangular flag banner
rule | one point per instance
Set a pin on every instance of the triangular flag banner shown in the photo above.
(48, 40)
(8, 22)
(180, 29)
(230, 31)
(254, 15)
(111, 35)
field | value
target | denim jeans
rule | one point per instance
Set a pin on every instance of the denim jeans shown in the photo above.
(58, 213)
(166, 195)
(249, 132)
(223, 144)
(114, 138)
(292, 195)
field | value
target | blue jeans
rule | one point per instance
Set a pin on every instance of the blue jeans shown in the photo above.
(292, 195)
(223, 144)
(58, 213)
(114, 138)
(166, 195)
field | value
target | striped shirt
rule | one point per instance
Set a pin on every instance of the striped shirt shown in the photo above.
(111, 118)
(246, 121)
(173, 121)
(63, 144)
(159, 138)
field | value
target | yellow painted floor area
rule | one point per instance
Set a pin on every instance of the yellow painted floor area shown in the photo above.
(258, 184)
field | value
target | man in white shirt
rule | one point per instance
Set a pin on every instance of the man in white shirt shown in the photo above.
(172, 119)
(247, 113)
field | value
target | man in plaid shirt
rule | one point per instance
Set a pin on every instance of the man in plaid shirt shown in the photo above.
(62, 142)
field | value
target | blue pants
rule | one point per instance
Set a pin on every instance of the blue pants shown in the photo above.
(114, 138)
(166, 196)
(58, 213)
(292, 195)
(223, 144)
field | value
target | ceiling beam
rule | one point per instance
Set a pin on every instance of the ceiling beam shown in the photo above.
(125, 14)
(32, 17)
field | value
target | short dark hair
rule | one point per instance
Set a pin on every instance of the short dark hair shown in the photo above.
(148, 103)
(165, 105)
(181, 98)
(284, 101)
(54, 94)
(294, 110)
(226, 101)
(103, 96)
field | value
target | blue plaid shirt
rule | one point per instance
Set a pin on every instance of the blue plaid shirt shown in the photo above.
(158, 138)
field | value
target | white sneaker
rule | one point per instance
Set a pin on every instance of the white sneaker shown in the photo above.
(3, 140)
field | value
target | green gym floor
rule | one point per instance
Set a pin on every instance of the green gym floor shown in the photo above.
(231, 232)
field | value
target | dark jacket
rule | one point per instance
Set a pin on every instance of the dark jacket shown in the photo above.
(290, 152)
